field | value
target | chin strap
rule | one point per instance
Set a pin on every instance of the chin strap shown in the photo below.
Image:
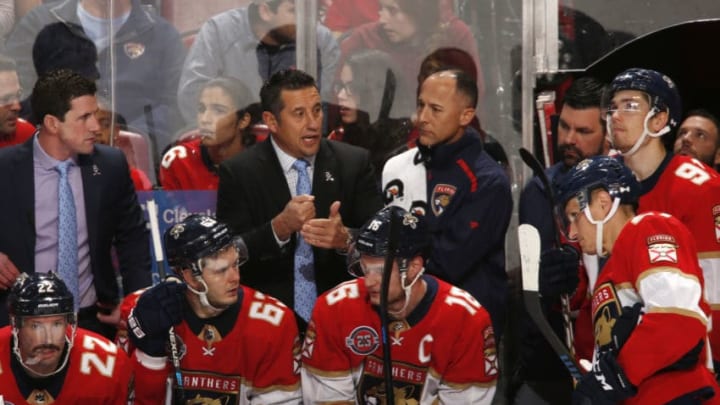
(600, 223)
(646, 132)
(202, 295)
(407, 289)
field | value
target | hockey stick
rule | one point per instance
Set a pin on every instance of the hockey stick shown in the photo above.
(539, 171)
(394, 232)
(152, 209)
(529, 242)
(545, 104)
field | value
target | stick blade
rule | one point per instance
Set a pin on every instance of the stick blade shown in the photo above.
(529, 243)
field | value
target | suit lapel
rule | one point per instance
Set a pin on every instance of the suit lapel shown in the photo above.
(92, 179)
(22, 175)
(326, 180)
(272, 175)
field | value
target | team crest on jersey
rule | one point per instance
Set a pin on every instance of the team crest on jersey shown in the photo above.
(662, 248)
(606, 309)
(309, 344)
(397, 328)
(490, 351)
(408, 381)
(134, 50)
(39, 397)
(210, 335)
(716, 216)
(394, 190)
(363, 340)
(441, 197)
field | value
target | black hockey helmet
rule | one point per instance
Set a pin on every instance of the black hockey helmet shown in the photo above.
(661, 90)
(197, 237)
(40, 294)
(598, 172)
(374, 237)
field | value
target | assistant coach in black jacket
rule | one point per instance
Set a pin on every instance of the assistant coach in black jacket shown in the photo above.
(100, 182)
(255, 198)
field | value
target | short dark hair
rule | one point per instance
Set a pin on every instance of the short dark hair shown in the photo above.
(464, 84)
(701, 112)
(583, 93)
(288, 79)
(7, 63)
(54, 91)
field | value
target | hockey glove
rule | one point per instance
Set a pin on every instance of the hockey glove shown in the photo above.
(605, 384)
(559, 271)
(156, 311)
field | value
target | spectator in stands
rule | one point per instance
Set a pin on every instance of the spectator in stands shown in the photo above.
(61, 46)
(110, 126)
(698, 137)
(366, 93)
(13, 130)
(409, 30)
(147, 56)
(250, 43)
(225, 118)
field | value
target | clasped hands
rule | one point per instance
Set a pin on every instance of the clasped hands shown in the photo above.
(299, 216)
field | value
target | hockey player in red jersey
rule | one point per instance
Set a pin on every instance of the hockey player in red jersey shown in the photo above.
(650, 316)
(432, 360)
(235, 345)
(226, 118)
(643, 105)
(46, 359)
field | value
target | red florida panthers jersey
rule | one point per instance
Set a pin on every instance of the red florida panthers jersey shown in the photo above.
(183, 168)
(98, 372)
(256, 362)
(690, 191)
(654, 262)
(23, 131)
(444, 351)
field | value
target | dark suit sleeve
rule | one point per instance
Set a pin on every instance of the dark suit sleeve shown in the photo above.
(235, 207)
(131, 236)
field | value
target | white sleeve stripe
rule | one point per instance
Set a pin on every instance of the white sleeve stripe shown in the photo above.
(711, 274)
(150, 362)
(668, 289)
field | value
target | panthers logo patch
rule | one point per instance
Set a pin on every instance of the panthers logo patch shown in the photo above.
(605, 310)
(441, 197)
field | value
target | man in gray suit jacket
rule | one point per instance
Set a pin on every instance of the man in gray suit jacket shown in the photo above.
(257, 192)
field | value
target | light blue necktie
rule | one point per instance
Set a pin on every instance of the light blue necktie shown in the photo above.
(305, 289)
(67, 234)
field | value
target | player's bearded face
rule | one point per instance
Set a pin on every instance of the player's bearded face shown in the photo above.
(222, 276)
(41, 342)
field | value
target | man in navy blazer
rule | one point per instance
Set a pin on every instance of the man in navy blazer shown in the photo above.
(256, 195)
(107, 209)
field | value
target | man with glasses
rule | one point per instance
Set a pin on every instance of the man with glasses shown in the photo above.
(432, 361)
(642, 105)
(13, 130)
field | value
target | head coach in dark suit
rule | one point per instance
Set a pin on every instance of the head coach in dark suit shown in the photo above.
(106, 209)
(259, 194)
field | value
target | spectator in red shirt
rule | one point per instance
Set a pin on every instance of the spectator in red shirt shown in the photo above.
(13, 130)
